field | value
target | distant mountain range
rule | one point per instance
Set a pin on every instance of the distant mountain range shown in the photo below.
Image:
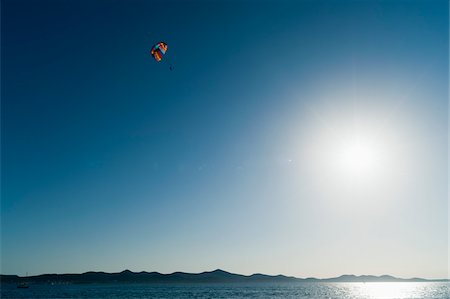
(217, 276)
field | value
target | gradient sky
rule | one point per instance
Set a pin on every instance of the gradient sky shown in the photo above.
(241, 158)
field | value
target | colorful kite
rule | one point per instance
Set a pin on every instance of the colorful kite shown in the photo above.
(158, 50)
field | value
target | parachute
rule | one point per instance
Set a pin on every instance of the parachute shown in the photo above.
(158, 51)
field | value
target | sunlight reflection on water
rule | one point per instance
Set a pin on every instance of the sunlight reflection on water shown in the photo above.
(391, 290)
(400, 290)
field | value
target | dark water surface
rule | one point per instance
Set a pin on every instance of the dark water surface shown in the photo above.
(425, 290)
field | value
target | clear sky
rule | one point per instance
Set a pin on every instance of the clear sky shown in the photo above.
(307, 138)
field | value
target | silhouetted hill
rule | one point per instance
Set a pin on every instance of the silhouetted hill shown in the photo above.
(371, 278)
(216, 276)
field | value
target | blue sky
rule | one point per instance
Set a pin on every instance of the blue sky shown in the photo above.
(307, 138)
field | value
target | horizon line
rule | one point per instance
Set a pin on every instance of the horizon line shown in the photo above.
(221, 270)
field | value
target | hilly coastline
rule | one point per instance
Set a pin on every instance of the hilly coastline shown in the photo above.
(217, 276)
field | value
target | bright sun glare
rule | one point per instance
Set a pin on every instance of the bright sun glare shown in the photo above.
(357, 158)
(353, 150)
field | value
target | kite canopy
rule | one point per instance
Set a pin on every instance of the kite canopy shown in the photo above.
(158, 50)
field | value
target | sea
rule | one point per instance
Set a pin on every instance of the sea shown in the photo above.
(378, 290)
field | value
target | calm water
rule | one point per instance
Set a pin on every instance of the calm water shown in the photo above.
(301, 290)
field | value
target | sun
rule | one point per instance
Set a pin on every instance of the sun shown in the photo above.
(358, 158)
